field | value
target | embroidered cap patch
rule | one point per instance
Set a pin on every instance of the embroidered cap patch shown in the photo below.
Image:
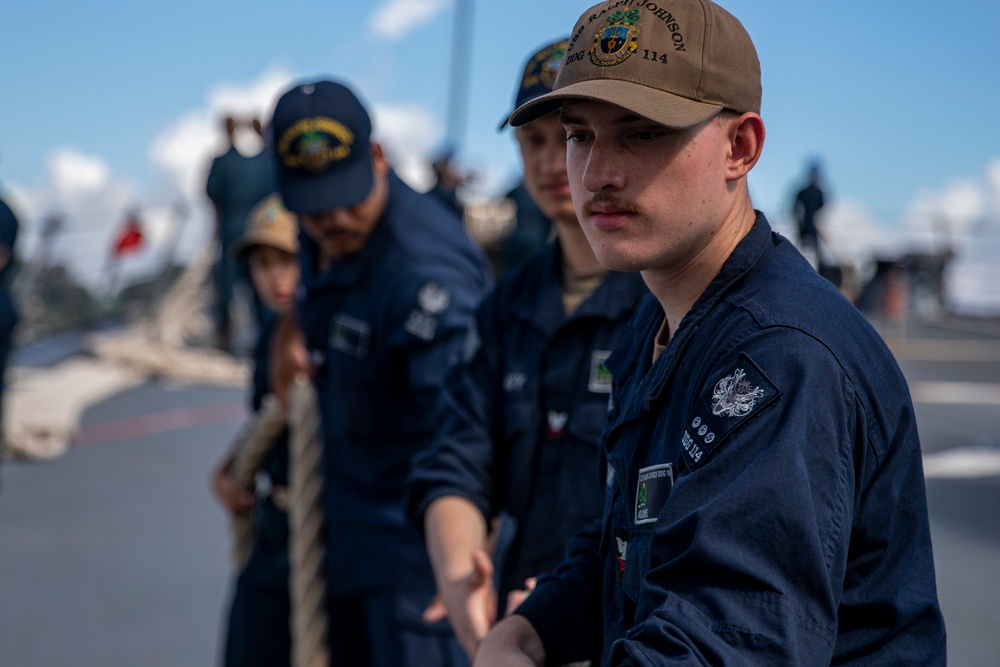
(742, 392)
(313, 144)
(616, 40)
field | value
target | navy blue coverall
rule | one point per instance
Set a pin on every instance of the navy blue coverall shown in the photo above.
(531, 229)
(521, 420)
(382, 326)
(8, 312)
(235, 184)
(259, 634)
(765, 498)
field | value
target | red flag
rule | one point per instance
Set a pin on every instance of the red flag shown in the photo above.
(130, 239)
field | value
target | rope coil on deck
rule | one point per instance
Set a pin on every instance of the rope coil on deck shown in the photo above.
(45, 405)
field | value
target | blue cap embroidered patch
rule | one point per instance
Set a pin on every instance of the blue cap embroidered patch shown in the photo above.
(314, 143)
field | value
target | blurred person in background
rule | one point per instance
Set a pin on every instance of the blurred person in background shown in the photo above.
(807, 204)
(258, 632)
(521, 418)
(532, 228)
(8, 311)
(237, 180)
(389, 286)
(448, 178)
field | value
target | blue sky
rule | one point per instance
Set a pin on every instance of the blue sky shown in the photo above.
(899, 100)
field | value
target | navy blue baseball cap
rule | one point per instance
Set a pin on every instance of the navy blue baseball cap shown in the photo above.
(539, 74)
(321, 138)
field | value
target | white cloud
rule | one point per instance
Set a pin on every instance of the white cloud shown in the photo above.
(937, 217)
(964, 216)
(255, 99)
(393, 19)
(183, 150)
(410, 135)
(974, 274)
(93, 200)
(853, 234)
(993, 187)
(81, 190)
(74, 173)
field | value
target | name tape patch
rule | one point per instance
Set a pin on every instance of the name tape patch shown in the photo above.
(350, 335)
(651, 491)
(600, 377)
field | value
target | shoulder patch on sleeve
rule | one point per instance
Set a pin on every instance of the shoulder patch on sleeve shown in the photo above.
(741, 393)
(472, 343)
(433, 298)
(421, 325)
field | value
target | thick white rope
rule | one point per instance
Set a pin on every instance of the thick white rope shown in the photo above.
(250, 447)
(305, 515)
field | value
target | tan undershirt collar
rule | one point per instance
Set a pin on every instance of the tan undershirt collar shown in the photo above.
(577, 287)
(662, 340)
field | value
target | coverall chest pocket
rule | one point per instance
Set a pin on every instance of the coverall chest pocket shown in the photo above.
(520, 422)
(358, 403)
(578, 463)
(636, 562)
(516, 459)
(587, 420)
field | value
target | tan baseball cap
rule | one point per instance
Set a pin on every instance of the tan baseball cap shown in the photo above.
(675, 62)
(269, 224)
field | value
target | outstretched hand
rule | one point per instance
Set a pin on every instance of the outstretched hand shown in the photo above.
(469, 602)
(515, 598)
(231, 495)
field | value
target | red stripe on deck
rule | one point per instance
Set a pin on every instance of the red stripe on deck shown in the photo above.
(159, 422)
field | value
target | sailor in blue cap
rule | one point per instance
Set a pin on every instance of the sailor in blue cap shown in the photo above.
(388, 291)
(522, 417)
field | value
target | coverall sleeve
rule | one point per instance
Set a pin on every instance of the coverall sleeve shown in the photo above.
(215, 185)
(745, 562)
(565, 607)
(461, 460)
(8, 226)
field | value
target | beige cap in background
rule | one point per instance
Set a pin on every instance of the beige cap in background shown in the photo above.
(269, 224)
